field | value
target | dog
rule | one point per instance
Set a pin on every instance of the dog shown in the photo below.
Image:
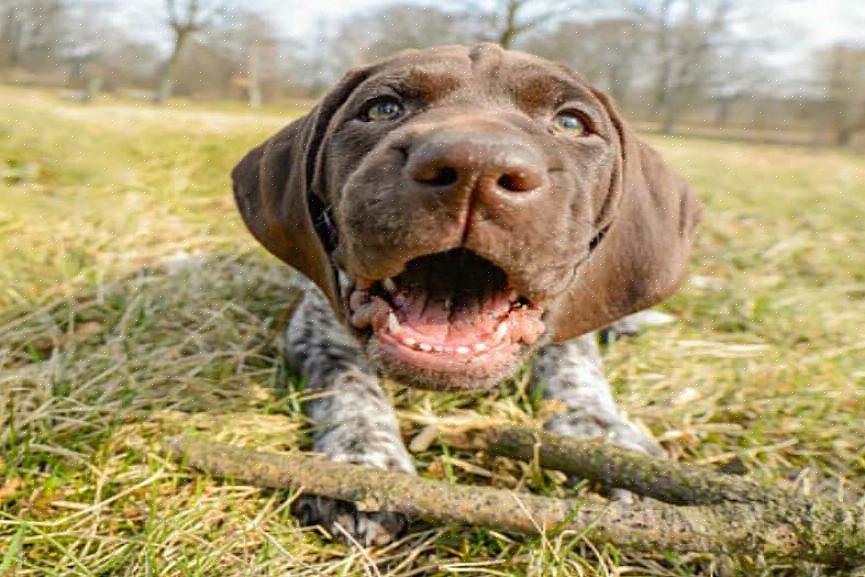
(457, 211)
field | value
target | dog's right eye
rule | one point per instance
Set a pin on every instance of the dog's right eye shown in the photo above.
(385, 109)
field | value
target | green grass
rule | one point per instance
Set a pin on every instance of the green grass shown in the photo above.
(135, 305)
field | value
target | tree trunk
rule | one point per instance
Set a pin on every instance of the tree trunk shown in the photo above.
(843, 136)
(510, 31)
(165, 89)
(254, 74)
(722, 112)
(506, 39)
(669, 114)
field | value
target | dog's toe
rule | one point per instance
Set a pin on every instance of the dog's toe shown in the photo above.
(344, 522)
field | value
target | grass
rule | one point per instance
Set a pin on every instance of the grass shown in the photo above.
(134, 305)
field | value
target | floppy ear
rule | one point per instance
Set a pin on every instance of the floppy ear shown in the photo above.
(646, 229)
(273, 190)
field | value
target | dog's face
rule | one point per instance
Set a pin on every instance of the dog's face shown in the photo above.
(451, 203)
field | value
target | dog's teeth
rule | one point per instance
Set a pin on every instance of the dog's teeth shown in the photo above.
(409, 341)
(438, 349)
(389, 285)
(425, 347)
(463, 350)
(501, 331)
(344, 282)
(392, 323)
(480, 347)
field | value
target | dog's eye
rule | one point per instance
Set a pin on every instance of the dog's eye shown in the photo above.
(383, 110)
(571, 122)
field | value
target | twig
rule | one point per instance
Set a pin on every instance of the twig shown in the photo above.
(615, 468)
(822, 534)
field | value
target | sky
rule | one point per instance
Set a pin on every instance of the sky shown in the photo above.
(820, 21)
(810, 22)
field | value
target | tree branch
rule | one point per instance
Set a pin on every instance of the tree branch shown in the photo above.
(744, 517)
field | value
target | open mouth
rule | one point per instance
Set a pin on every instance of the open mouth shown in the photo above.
(447, 312)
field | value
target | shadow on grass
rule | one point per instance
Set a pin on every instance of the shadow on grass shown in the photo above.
(197, 335)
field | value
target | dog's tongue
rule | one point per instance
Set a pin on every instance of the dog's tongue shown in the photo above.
(452, 318)
(452, 303)
(460, 300)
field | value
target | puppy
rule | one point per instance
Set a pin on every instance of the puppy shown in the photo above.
(456, 211)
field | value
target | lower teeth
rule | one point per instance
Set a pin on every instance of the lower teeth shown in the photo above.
(392, 323)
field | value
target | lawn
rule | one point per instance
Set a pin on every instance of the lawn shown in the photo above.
(134, 305)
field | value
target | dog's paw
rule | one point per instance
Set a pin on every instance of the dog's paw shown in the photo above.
(614, 429)
(344, 522)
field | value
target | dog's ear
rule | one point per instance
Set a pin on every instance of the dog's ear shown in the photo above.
(273, 190)
(645, 228)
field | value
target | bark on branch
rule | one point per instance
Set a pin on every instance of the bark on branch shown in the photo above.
(733, 516)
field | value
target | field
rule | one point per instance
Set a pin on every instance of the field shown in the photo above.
(133, 305)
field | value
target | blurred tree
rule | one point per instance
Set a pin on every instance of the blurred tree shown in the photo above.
(685, 33)
(841, 74)
(508, 21)
(185, 18)
(383, 31)
(32, 32)
(244, 56)
(611, 52)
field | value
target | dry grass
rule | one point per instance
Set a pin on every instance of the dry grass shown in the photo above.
(135, 305)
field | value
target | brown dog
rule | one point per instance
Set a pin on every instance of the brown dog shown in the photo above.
(461, 208)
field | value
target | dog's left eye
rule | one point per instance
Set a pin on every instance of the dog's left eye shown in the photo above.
(571, 122)
(383, 110)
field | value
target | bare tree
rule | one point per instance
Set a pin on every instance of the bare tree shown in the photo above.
(685, 33)
(842, 77)
(256, 52)
(611, 52)
(375, 34)
(510, 20)
(185, 18)
(32, 33)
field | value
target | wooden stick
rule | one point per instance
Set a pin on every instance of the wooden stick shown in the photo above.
(830, 536)
(667, 481)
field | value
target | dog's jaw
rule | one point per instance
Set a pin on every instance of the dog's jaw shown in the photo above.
(449, 322)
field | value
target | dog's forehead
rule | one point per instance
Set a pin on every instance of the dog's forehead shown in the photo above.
(482, 70)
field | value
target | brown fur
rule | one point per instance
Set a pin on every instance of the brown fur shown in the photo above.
(593, 227)
(610, 186)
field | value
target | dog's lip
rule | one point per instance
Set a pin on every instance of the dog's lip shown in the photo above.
(508, 320)
(454, 361)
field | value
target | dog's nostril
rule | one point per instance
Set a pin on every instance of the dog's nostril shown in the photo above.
(519, 181)
(438, 176)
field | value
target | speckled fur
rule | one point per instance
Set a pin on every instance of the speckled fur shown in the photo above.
(353, 419)
(572, 373)
(355, 423)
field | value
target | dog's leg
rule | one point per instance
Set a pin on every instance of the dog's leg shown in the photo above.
(353, 420)
(633, 325)
(572, 373)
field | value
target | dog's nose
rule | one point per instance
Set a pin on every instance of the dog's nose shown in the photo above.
(457, 160)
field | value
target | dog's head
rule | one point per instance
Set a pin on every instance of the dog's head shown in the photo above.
(460, 206)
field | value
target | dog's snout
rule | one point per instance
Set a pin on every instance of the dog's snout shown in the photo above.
(456, 161)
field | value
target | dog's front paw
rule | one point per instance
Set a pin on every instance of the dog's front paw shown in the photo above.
(613, 428)
(344, 522)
